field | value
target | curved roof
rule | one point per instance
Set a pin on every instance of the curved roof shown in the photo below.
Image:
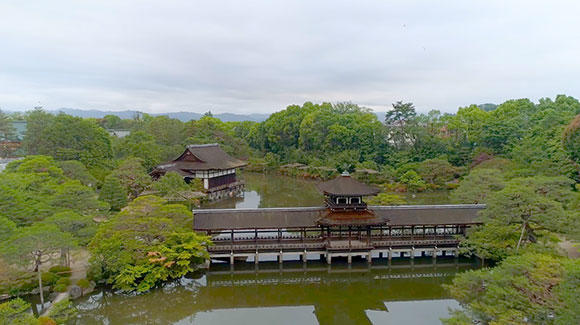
(348, 186)
(201, 157)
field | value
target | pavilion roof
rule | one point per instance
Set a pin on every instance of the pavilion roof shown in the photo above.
(346, 185)
(201, 157)
(305, 217)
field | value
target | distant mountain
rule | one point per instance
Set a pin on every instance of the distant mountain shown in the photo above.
(182, 116)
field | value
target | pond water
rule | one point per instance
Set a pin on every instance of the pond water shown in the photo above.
(295, 294)
(271, 191)
(401, 292)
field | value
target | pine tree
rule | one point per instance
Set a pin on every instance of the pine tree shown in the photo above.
(113, 193)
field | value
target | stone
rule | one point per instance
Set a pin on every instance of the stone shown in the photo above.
(75, 291)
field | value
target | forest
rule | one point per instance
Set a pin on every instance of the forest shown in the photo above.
(80, 187)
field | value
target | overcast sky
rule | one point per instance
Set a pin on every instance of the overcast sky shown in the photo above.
(260, 56)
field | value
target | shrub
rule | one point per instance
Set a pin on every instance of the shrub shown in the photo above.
(49, 278)
(62, 311)
(84, 283)
(63, 281)
(59, 287)
(61, 270)
(45, 320)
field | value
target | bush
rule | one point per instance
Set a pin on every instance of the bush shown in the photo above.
(62, 311)
(63, 281)
(84, 283)
(59, 287)
(49, 278)
(44, 320)
(61, 270)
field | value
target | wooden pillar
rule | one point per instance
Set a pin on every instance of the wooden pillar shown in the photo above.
(328, 259)
(304, 256)
(232, 259)
(435, 253)
(280, 257)
(256, 257)
(349, 237)
(349, 258)
(390, 253)
(413, 252)
(369, 258)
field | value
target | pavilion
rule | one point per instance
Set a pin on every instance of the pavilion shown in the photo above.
(345, 227)
(211, 164)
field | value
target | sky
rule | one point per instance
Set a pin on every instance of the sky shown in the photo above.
(261, 56)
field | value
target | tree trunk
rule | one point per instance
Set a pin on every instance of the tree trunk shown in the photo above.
(40, 287)
(521, 236)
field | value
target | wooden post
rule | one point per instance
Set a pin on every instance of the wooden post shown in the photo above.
(390, 253)
(349, 258)
(328, 259)
(304, 256)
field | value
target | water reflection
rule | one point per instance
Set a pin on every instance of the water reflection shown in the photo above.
(295, 293)
(272, 191)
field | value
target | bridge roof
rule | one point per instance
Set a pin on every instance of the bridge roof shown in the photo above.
(305, 217)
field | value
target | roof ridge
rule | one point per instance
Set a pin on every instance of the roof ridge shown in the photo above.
(203, 145)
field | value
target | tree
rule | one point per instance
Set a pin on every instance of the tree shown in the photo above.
(413, 181)
(133, 176)
(76, 170)
(526, 289)
(171, 186)
(113, 193)
(436, 171)
(67, 138)
(515, 211)
(477, 186)
(400, 124)
(145, 244)
(82, 227)
(16, 312)
(34, 246)
(7, 228)
(386, 199)
(571, 139)
(7, 130)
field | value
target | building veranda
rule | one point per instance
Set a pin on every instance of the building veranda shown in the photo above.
(344, 227)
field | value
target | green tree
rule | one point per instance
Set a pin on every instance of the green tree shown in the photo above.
(67, 138)
(172, 186)
(16, 312)
(34, 246)
(7, 130)
(400, 124)
(82, 227)
(386, 199)
(527, 289)
(113, 193)
(145, 244)
(413, 181)
(571, 139)
(76, 170)
(133, 176)
(7, 228)
(436, 171)
(477, 186)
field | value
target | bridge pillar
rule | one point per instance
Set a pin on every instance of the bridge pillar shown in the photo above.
(435, 253)
(380, 254)
(232, 258)
(328, 259)
(369, 258)
(280, 257)
(256, 258)
(413, 252)
(304, 257)
(349, 258)
(390, 253)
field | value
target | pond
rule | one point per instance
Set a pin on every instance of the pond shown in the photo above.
(271, 191)
(409, 291)
(295, 294)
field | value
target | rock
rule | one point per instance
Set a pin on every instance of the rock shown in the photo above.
(75, 291)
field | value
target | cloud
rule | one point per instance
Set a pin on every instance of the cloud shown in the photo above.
(260, 56)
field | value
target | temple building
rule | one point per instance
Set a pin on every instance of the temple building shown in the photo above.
(344, 227)
(211, 164)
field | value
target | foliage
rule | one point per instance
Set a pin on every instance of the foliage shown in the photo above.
(413, 181)
(477, 186)
(113, 193)
(436, 171)
(35, 245)
(531, 288)
(7, 228)
(146, 243)
(76, 170)
(82, 227)
(172, 186)
(15, 312)
(62, 311)
(65, 137)
(133, 176)
(571, 139)
(386, 199)
(7, 131)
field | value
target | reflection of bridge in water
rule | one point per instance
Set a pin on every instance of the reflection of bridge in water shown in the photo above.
(340, 294)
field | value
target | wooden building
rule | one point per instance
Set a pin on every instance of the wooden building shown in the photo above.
(211, 164)
(345, 227)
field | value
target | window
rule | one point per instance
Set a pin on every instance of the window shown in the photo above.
(341, 200)
(354, 200)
